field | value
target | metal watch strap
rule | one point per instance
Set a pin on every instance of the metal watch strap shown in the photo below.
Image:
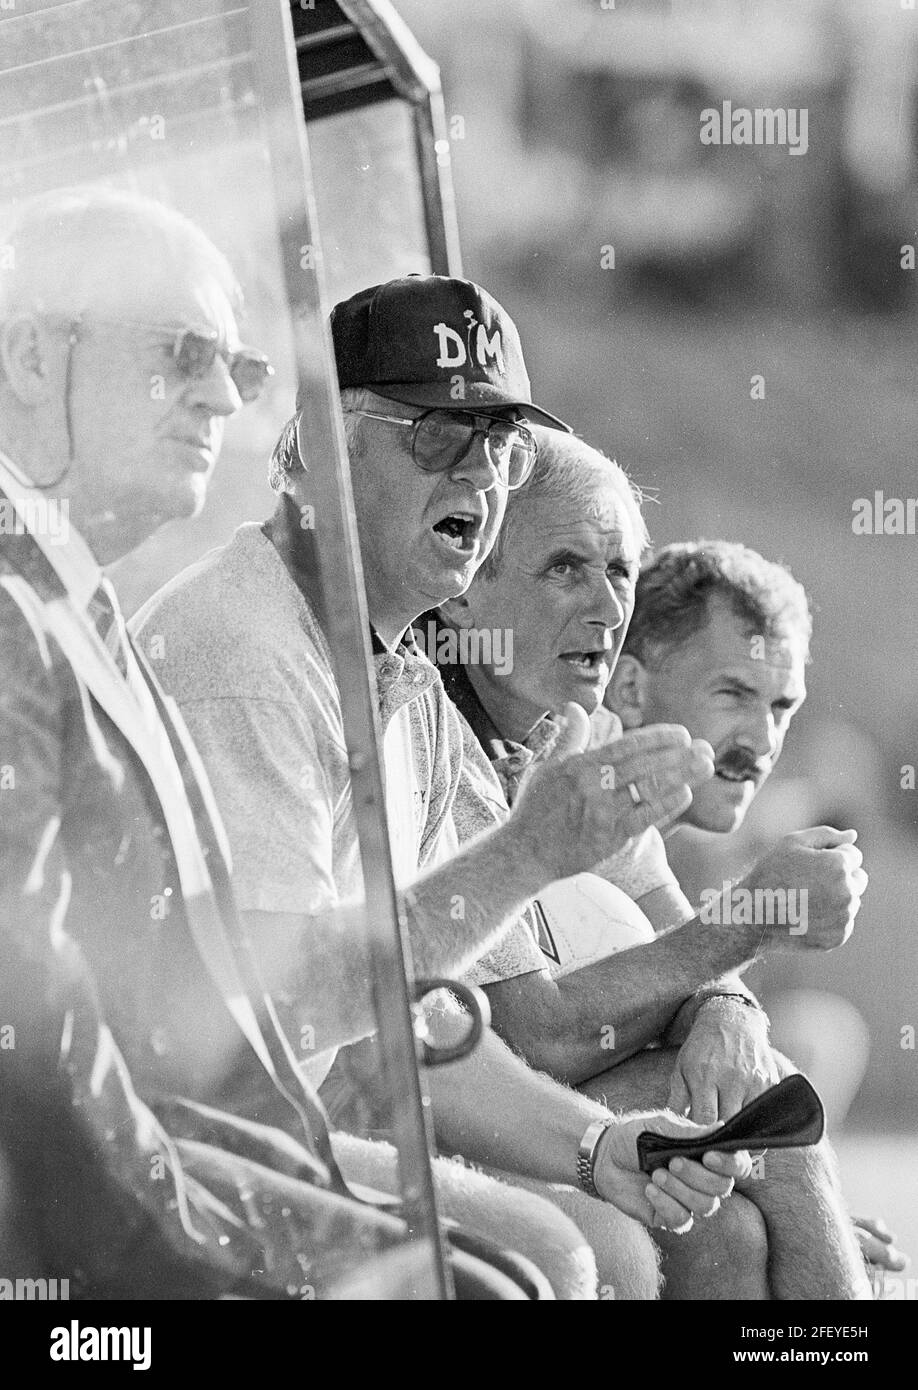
(586, 1154)
(749, 1000)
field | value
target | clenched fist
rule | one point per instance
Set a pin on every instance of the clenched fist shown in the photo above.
(822, 867)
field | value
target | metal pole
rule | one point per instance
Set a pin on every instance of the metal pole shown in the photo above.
(347, 622)
(432, 146)
(416, 76)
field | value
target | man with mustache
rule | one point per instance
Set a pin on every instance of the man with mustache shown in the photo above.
(724, 635)
(700, 650)
(561, 579)
(438, 417)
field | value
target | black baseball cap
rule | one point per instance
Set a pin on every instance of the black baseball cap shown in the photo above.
(410, 339)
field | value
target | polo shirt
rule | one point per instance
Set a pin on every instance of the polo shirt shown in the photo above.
(238, 642)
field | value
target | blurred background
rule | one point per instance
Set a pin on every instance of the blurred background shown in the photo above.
(575, 134)
(736, 324)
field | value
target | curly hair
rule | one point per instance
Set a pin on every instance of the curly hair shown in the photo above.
(674, 588)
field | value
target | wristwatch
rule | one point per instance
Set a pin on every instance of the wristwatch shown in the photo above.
(586, 1155)
(748, 999)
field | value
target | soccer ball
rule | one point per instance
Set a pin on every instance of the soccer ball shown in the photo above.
(584, 919)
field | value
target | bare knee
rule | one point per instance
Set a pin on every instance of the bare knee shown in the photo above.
(722, 1257)
(497, 1211)
(641, 1082)
(802, 1173)
(368, 1161)
(740, 1228)
(627, 1260)
(522, 1221)
(626, 1257)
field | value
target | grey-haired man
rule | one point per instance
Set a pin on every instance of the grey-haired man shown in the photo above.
(120, 360)
(562, 580)
(436, 399)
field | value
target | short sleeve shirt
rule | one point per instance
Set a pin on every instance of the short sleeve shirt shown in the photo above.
(241, 650)
(480, 805)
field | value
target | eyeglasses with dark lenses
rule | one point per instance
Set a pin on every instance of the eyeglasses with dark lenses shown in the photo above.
(194, 354)
(440, 439)
(194, 351)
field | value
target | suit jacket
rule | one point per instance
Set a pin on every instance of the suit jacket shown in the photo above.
(110, 1022)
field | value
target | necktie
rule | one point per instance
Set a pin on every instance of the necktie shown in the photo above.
(105, 618)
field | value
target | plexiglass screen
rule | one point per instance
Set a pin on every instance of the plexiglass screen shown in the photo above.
(181, 941)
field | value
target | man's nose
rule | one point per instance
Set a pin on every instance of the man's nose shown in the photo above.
(759, 733)
(605, 607)
(475, 466)
(215, 391)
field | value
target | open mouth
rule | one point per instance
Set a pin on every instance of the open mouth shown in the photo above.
(586, 663)
(726, 776)
(460, 531)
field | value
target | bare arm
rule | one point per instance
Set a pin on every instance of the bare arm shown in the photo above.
(469, 1102)
(665, 907)
(685, 1018)
(320, 961)
(563, 1026)
(564, 821)
(559, 1025)
(493, 1109)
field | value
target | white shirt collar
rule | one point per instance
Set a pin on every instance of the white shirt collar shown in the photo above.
(60, 543)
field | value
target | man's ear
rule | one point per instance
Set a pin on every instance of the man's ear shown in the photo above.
(626, 693)
(458, 611)
(24, 359)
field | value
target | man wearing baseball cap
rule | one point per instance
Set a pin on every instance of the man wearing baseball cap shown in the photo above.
(435, 398)
(434, 341)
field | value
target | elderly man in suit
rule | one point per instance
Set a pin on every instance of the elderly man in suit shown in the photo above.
(121, 987)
